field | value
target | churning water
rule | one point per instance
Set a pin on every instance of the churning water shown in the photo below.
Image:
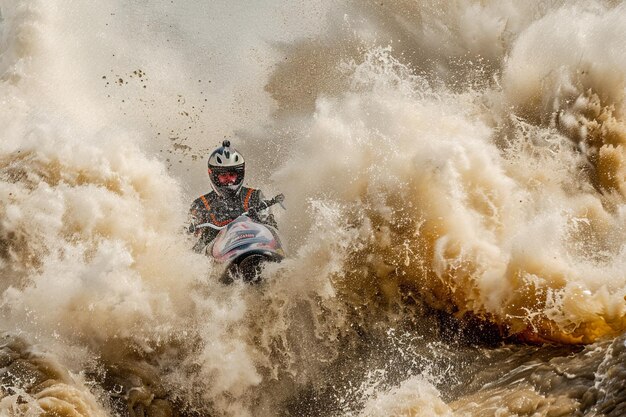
(455, 175)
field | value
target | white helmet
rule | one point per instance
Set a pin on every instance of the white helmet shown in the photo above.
(226, 169)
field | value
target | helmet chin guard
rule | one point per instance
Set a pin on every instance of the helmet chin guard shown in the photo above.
(226, 160)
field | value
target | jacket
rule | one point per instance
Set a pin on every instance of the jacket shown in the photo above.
(220, 211)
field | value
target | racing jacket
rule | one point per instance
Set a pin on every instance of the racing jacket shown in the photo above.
(220, 211)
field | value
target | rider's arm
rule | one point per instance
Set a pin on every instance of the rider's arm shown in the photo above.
(194, 218)
(205, 235)
(266, 216)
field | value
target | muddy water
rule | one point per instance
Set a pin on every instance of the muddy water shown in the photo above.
(455, 186)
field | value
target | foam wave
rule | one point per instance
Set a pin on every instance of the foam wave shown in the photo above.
(475, 168)
(95, 260)
(35, 384)
(480, 210)
(414, 397)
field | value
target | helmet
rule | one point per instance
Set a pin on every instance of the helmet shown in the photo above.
(223, 161)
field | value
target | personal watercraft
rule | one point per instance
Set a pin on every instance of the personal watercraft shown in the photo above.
(244, 245)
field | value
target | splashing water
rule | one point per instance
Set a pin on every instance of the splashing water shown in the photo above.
(455, 180)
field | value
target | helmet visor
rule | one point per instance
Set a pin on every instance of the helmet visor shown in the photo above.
(228, 178)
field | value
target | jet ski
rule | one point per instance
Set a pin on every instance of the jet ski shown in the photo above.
(244, 245)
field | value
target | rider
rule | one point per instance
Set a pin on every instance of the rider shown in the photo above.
(229, 198)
